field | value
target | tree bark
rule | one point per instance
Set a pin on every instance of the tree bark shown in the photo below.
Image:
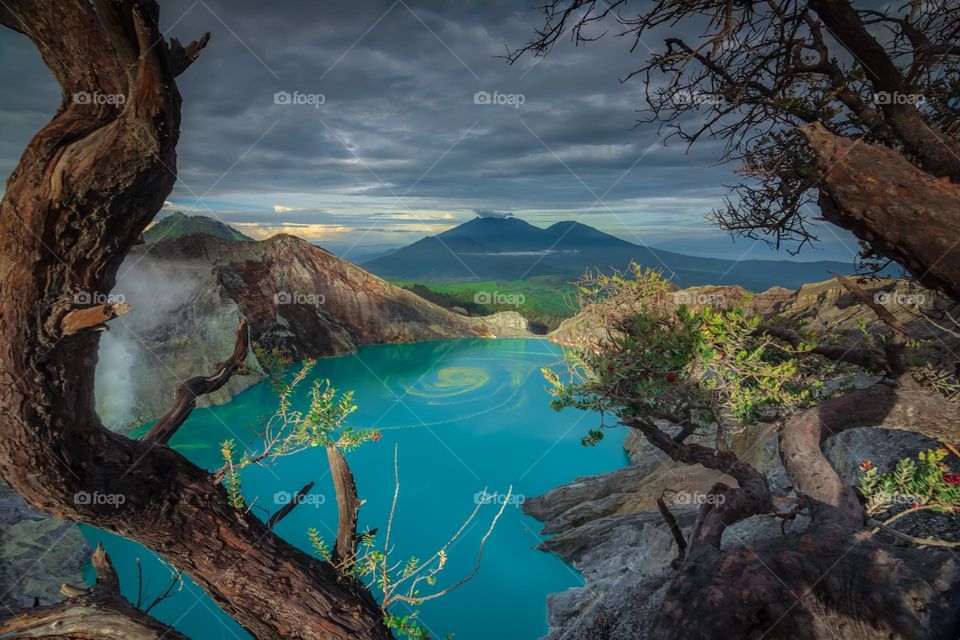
(348, 506)
(902, 212)
(834, 579)
(85, 189)
(829, 582)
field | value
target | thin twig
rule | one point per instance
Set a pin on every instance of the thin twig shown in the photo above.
(476, 568)
(393, 507)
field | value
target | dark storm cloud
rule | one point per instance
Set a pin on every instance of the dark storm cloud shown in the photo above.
(340, 115)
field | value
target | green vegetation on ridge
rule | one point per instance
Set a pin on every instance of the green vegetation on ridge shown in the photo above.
(543, 300)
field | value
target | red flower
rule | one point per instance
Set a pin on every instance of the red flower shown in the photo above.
(951, 478)
(671, 376)
(866, 465)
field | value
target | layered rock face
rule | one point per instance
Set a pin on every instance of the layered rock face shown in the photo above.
(38, 553)
(181, 325)
(189, 293)
(608, 526)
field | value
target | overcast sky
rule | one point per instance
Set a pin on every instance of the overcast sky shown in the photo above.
(399, 147)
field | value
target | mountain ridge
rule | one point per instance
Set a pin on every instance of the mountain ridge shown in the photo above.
(513, 249)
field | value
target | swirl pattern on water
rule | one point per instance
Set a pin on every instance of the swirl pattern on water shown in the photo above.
(475, 385)
(449, 382)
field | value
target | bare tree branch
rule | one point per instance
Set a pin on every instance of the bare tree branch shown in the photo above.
(870, 359)
(182, 57)
(185, 397)
(285, 510)
(92, 318)
(674, 529)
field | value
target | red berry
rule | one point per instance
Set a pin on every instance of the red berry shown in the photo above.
(671, 376)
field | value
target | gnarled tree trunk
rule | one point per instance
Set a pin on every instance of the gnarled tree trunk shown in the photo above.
(905, 214)
(836, 578)
(85, 189)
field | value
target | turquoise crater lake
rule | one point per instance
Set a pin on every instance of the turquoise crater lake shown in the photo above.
(467, 415)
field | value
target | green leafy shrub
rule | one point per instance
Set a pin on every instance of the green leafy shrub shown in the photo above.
(924, 484)
(659, 361)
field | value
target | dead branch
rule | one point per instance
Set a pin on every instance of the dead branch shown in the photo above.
(733, 504)
(885, 315)
(182, 57)
(348, 506)
(71, 590)
(483, 541)
(674, 529)
(285, 510)
(870, 359)
(176, 580)
(895, 347)
(93, 318)
(106, 574)
(185, 397)
(899, 535)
